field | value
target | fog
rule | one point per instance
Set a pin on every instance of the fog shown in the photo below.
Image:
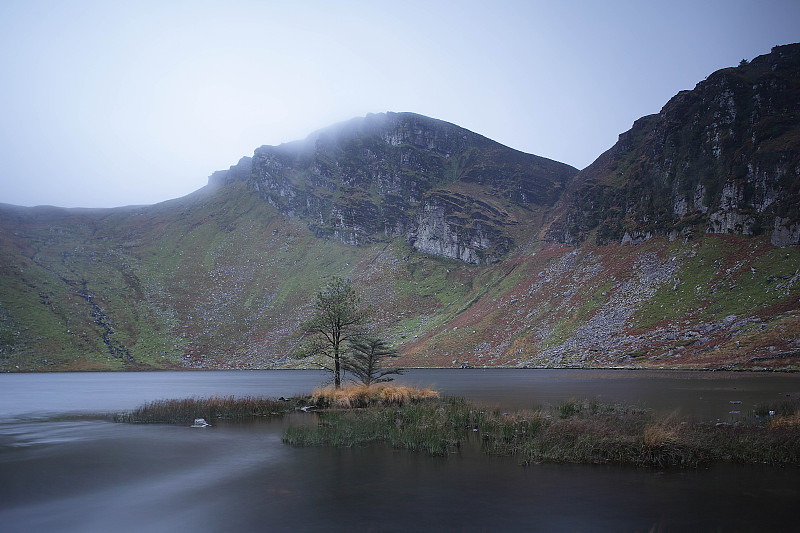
(108, 104)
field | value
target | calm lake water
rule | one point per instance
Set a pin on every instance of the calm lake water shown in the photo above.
(58, 474)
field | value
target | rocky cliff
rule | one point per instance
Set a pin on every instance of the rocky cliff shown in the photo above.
(447, 191)
(721, 158)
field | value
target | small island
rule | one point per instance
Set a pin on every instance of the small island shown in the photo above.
(576, 431)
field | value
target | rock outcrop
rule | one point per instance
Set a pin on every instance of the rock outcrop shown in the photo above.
(722, 158)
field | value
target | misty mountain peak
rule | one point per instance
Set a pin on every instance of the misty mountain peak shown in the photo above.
(446, 190)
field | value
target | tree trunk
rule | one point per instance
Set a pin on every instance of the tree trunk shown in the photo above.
(337, 376)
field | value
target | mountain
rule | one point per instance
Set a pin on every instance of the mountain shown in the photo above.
(676, 248)
(443, 189)
(722, 158)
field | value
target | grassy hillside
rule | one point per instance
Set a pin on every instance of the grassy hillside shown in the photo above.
(715, 302)
(219, 279)
(182, 283)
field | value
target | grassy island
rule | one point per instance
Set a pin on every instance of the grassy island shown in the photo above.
(577, 431)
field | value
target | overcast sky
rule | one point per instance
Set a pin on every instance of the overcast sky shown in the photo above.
(112, 103)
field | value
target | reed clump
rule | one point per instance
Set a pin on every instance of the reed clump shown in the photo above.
(185, 411)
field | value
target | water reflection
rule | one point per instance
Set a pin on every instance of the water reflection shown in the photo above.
(107, 477)
(100, 476)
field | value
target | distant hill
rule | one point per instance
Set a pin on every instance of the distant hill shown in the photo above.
(676, 248)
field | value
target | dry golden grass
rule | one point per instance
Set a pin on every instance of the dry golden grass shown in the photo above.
(664, 432)
(351, 396)
(789, 422)
(658, 435)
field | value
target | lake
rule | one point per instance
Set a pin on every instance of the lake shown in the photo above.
(79, 475)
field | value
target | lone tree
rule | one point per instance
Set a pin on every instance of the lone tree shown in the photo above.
(366, 357)
(337, 320)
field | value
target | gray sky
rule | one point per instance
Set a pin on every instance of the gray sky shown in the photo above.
(109, 103)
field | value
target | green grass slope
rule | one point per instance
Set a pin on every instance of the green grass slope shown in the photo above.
(720, 302)
(219, 279)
